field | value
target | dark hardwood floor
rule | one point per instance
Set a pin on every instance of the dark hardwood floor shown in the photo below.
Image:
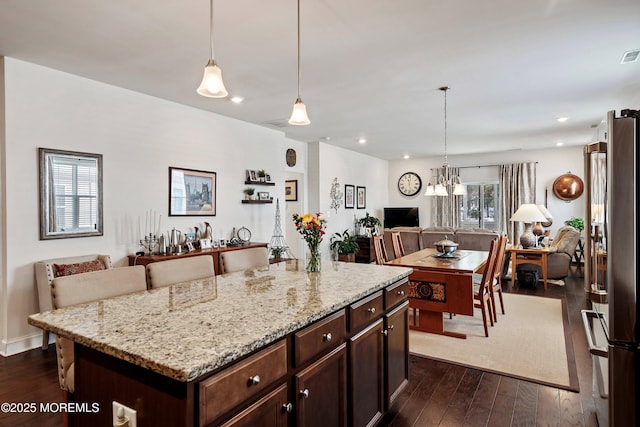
(442, 394)
(438, 394)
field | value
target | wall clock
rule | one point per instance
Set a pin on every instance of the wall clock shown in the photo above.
(409, 184)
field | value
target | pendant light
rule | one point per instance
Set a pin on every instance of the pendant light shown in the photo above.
(445, 181)
(212, 85)
(299, 115)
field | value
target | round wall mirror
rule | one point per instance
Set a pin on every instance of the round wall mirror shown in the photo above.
(568, 187)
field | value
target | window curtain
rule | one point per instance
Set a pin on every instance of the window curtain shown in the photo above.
(517, 186)
(445, 211)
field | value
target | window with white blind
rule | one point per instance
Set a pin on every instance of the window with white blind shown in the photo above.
(71, 194)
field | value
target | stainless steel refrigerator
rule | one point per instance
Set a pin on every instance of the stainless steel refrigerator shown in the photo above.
(611, 273)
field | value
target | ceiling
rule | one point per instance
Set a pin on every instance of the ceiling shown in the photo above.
(370, 68)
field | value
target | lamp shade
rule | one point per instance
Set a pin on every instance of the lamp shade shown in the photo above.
(545, 212)
(430, 190)
(212, 85)
(528, 213)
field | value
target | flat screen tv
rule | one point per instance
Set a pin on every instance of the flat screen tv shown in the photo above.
(401, 217)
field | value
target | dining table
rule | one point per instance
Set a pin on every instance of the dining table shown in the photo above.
(441, 284)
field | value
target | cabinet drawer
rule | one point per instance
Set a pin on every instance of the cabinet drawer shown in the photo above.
(365, 311)
(395, 294)
(322, 335)
(230, 387)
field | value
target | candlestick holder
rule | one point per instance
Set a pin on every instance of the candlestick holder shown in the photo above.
(149, 243)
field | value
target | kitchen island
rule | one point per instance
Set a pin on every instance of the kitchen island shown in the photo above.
(274, 344)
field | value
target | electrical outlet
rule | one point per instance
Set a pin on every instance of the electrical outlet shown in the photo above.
(128, 412)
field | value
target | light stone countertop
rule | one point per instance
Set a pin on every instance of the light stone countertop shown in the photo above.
(188, 330)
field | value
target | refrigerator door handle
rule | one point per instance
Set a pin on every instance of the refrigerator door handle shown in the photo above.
(593, 349)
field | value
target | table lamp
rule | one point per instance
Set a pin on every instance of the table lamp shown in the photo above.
(538, 229)
(528, 213)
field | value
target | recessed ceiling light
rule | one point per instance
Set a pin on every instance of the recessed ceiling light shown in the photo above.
(559, 144)
(362, 140)
(237, 99)
(406, 156)
(562, 119)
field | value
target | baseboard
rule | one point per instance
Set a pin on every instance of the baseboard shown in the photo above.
(22, 344)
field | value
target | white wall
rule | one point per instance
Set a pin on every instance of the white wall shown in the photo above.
(139, 137)
(350, 168)
(551, 164)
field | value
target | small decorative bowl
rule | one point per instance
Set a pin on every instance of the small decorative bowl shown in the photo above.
(446, 246)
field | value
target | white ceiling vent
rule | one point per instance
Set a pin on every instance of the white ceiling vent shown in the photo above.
(630, 56)
(277, 123)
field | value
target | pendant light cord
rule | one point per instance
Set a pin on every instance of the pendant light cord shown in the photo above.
(211, 27)
(299, 73)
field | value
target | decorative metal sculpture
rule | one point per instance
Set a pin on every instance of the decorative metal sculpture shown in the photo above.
(336, 195)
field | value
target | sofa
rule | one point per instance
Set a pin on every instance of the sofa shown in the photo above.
(417, 238)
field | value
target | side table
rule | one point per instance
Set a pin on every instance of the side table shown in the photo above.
(536, 256)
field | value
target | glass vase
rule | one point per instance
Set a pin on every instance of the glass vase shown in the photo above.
(313, 258)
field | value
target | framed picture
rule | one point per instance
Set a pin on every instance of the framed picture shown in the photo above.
(205, 243)
(349, 196)
(361, 197)
(291, 190)
(263, 195)
(190, 247)
(252, 176)
(267, 178)
(191, 192)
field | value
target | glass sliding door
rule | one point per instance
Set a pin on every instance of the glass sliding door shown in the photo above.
(479, 207)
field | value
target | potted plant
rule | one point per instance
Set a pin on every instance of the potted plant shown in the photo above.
(248, 192)
(577, 223)
(369, 222)
(262, 174)
(277, 252)
(345, 245)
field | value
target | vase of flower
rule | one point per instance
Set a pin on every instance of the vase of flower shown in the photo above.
(311, 228)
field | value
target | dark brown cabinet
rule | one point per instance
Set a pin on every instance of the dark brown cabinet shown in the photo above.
(270, 411)
(366, 254)
(321, 391)
(366, 352)
(396, 324)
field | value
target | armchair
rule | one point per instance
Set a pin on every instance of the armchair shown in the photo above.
(561, 251)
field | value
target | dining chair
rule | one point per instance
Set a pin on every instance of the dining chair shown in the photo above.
(380, 250)
(245, 259)
(396, 241)
(497, 277)
(170, 272)
(84, 288)
(482, 290)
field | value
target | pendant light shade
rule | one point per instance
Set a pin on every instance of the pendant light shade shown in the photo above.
(299, 115)
(212, 85)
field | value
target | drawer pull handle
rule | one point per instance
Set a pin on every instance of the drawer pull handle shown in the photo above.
(371, 310)
(390, 327)
(384, 332)
(327, 337)
(254, 380)
(288, 408)
(304, 393)
(401, 293)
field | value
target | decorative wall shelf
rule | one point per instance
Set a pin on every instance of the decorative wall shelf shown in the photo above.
(260, 183)
(256, 202)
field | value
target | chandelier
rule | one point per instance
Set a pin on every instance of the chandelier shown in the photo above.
(445, 181)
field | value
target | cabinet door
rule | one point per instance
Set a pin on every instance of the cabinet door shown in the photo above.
(366, 352)
(397, 352)
(321, 391)
(270, 411)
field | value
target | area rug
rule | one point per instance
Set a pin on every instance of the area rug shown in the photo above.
(532, 342)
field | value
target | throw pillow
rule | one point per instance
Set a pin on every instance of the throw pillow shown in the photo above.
(80, 267)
